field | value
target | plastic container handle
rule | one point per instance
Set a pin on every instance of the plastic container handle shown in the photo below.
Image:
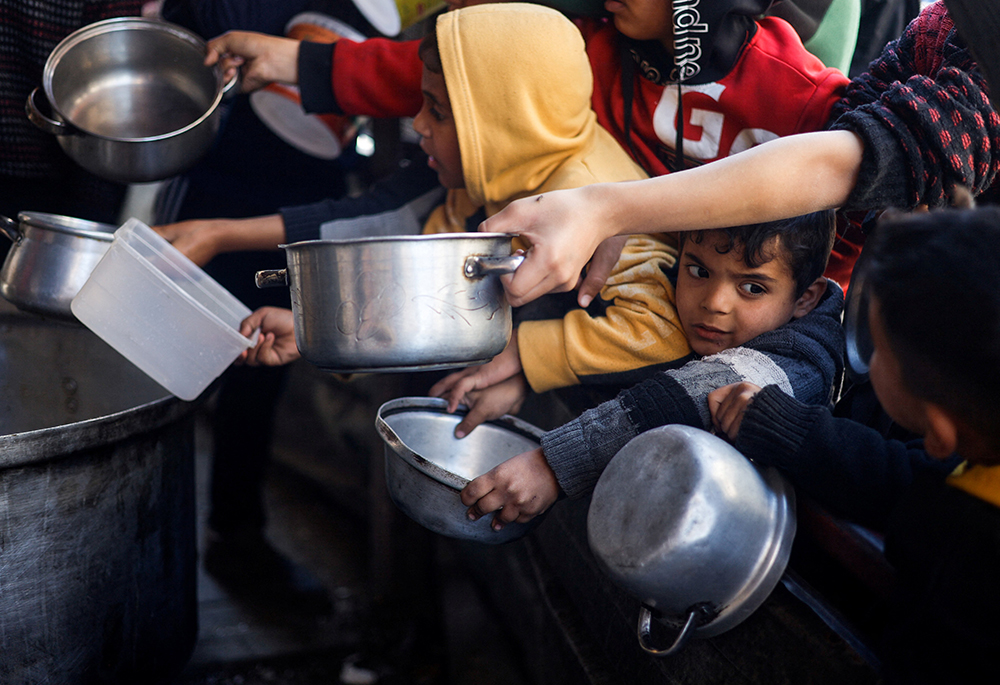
(271, 278)
(643, 630)
(47, 124)
(477, 267)
(11, 229)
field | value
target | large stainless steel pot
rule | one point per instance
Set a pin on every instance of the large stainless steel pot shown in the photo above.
(693, 529)
(426, 466)
(97, 517)
(399, 303)
(132, 100)
(52, 257)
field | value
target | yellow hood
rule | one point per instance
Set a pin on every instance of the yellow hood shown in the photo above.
(520, 84)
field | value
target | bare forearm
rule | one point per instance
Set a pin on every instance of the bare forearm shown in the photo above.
(257, 233)
(783, 178)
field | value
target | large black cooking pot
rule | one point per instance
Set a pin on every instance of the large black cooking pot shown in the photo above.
(97, 517)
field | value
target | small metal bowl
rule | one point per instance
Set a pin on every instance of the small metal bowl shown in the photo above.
(426, 466)
(693, 529)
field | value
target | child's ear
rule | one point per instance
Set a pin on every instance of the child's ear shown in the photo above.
(810, 298)
(941, 432)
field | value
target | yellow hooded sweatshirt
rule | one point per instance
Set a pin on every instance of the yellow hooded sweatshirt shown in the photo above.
(520, 86)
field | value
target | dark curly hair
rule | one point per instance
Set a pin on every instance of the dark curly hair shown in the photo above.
(806, 241)
(936, 278)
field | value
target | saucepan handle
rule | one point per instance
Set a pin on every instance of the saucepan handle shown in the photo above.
(645, 625)
(477, 267)
(47, 124)
(10, 228)
(271, 278)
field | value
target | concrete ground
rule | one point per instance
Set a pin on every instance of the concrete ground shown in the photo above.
(383, 601)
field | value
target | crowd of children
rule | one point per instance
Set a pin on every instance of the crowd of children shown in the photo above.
(719, 315)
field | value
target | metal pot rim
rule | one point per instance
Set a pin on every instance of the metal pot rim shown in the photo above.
(128, 24)
(439, 406)
(430, 237)
(81, 228)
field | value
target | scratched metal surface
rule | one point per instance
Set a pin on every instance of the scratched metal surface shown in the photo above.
(97, 526)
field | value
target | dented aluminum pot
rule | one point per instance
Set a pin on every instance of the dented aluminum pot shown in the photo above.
(400, 303)
(691, 528)
(97, 513)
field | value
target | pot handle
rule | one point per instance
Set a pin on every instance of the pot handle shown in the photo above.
(10, 228)
(477, 267)
(644, 627)
(47, 124)
(271, 278)
(228, 90)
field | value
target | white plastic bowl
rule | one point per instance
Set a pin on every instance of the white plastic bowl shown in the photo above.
(162, 312)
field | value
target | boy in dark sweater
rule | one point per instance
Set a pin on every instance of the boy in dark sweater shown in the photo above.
(753, 305)
(935, 321)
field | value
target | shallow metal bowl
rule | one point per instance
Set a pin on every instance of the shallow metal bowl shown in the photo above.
(426, 466)
(691, 528)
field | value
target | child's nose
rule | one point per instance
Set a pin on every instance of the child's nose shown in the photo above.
(420, 123)
(715, 300)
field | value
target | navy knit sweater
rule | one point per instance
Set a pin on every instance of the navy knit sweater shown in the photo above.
(805, 358)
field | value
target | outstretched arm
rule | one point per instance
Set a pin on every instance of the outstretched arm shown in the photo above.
(201, 239)
(780, 179)
(263, 58)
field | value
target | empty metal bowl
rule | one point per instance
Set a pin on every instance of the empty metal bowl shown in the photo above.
(426, 466)
(691, 528)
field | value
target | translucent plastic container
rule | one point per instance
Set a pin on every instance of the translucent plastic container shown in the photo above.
(162, 312)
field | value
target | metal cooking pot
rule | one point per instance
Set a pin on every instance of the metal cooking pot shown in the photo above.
(691, 528)
(99, 562)
(400, 303)
(132, 99)
(51, 259)
(426, 466)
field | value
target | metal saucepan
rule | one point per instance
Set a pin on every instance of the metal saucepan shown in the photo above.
(400, 303)
(132, 100)
(691, 528)
(50, 260)
(426, 466)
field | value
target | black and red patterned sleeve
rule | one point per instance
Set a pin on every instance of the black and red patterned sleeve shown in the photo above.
(924, 114)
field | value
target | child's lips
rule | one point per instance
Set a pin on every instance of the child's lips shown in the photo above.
(614, 5)
(709, 332)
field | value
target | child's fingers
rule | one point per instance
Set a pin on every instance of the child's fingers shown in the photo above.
(477, 414)
(445, 384)
(477, 488)
(487, 504)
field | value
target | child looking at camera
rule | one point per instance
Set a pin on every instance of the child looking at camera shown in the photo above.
(935, 323)
(753, 304)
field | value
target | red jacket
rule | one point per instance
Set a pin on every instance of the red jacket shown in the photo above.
(775, 88)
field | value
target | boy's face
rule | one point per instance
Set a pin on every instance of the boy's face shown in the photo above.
(724, 303)
(644, 19)
(439, 137)
(885, 373)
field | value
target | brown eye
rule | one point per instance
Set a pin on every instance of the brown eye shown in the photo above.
(753, 288)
